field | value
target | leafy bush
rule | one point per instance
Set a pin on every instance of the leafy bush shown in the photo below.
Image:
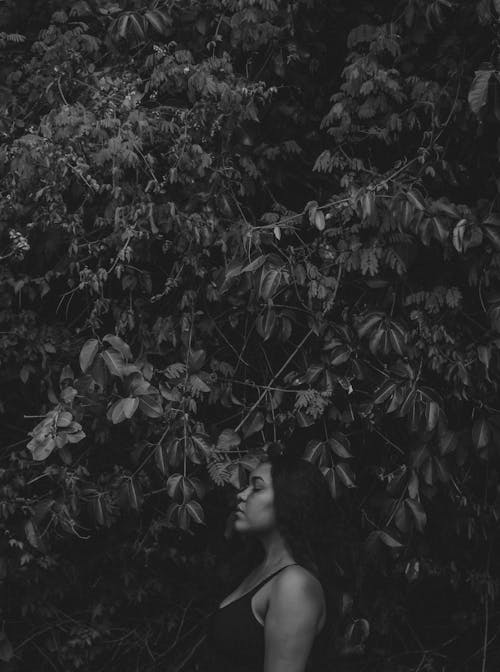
(226, 223)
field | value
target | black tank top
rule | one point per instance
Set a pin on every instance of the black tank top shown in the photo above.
(235, 638)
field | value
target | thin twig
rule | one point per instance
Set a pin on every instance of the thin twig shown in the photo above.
(184, 662)
(266, 389)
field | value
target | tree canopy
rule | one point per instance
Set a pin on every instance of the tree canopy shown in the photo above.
(230, 222)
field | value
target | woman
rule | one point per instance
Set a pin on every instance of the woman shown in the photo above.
(276, 620)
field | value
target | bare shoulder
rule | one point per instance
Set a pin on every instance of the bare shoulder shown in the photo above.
(297, 583)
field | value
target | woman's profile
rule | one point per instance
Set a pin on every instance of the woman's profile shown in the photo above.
(275, 620)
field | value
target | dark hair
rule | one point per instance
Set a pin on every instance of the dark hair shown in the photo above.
(308, 519)
(304, 508)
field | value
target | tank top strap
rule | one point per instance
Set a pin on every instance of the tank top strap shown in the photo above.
(268, 578)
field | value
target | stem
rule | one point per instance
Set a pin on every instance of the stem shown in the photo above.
(266, 389)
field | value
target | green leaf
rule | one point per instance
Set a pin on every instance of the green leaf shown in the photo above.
(197, 385)
(340, 355)
(384, 391)
(32, 534)
(158, 20)
(480, 433)
(340, 444)
(196, 360)
(114, 362)
(369, 323)
(315, 451)
(265, 323)
(42, 447)
(195, 511)
(388, 540)
(150, 405)
(255, 264)
(432, 412)
(130, 405)
(228, 440)
(478, 93)
(269, 283)
(418, 512)
(6, 650)
(345, 475)
(88, 353)
(253, 424)
(64, 419)
(329, 474)
(448, 442)
(116, 413)
(118, 344)
(161, 459)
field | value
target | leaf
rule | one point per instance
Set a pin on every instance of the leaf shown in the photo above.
(196, 360)
(388, 540)
(415, 200)
(253, 424)
(202, 443)
(478, 93)
(176, 486)
(228, 439)
(130, 405)
(458, 235)
(255, 264)
(195, 511)
(6, 650)
(269, 283)
(340, 444)
(319, 220)
(42, 447)
(340, 355)
(384, 391)
(158, 20)
(315, 451)
(161, 459)
(64, 419)
(118, 344)
(66, 375)
(413, 485)
(150, 405)
(114, 362)
(369, 323)
(133, 494)
(480, 433)
(329, 474)
(218, 472)
(139, 26)
(345, 475)
(88, 353)
(31, 534)
(115, 412)
(448, 442)
(418, 512)
(432, 411)
(265, 323)
(68, 395)
(197, 385)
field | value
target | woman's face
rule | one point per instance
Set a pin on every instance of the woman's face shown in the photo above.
(255, 510)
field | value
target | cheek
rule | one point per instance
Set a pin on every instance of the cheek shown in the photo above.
(262, 510)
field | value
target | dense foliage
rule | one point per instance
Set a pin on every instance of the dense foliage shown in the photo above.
(230, 222)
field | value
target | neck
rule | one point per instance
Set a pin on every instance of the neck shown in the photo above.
(276, 551)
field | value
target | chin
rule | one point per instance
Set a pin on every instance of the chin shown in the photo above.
(240, 526)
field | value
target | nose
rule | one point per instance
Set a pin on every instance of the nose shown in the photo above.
(242, 494)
